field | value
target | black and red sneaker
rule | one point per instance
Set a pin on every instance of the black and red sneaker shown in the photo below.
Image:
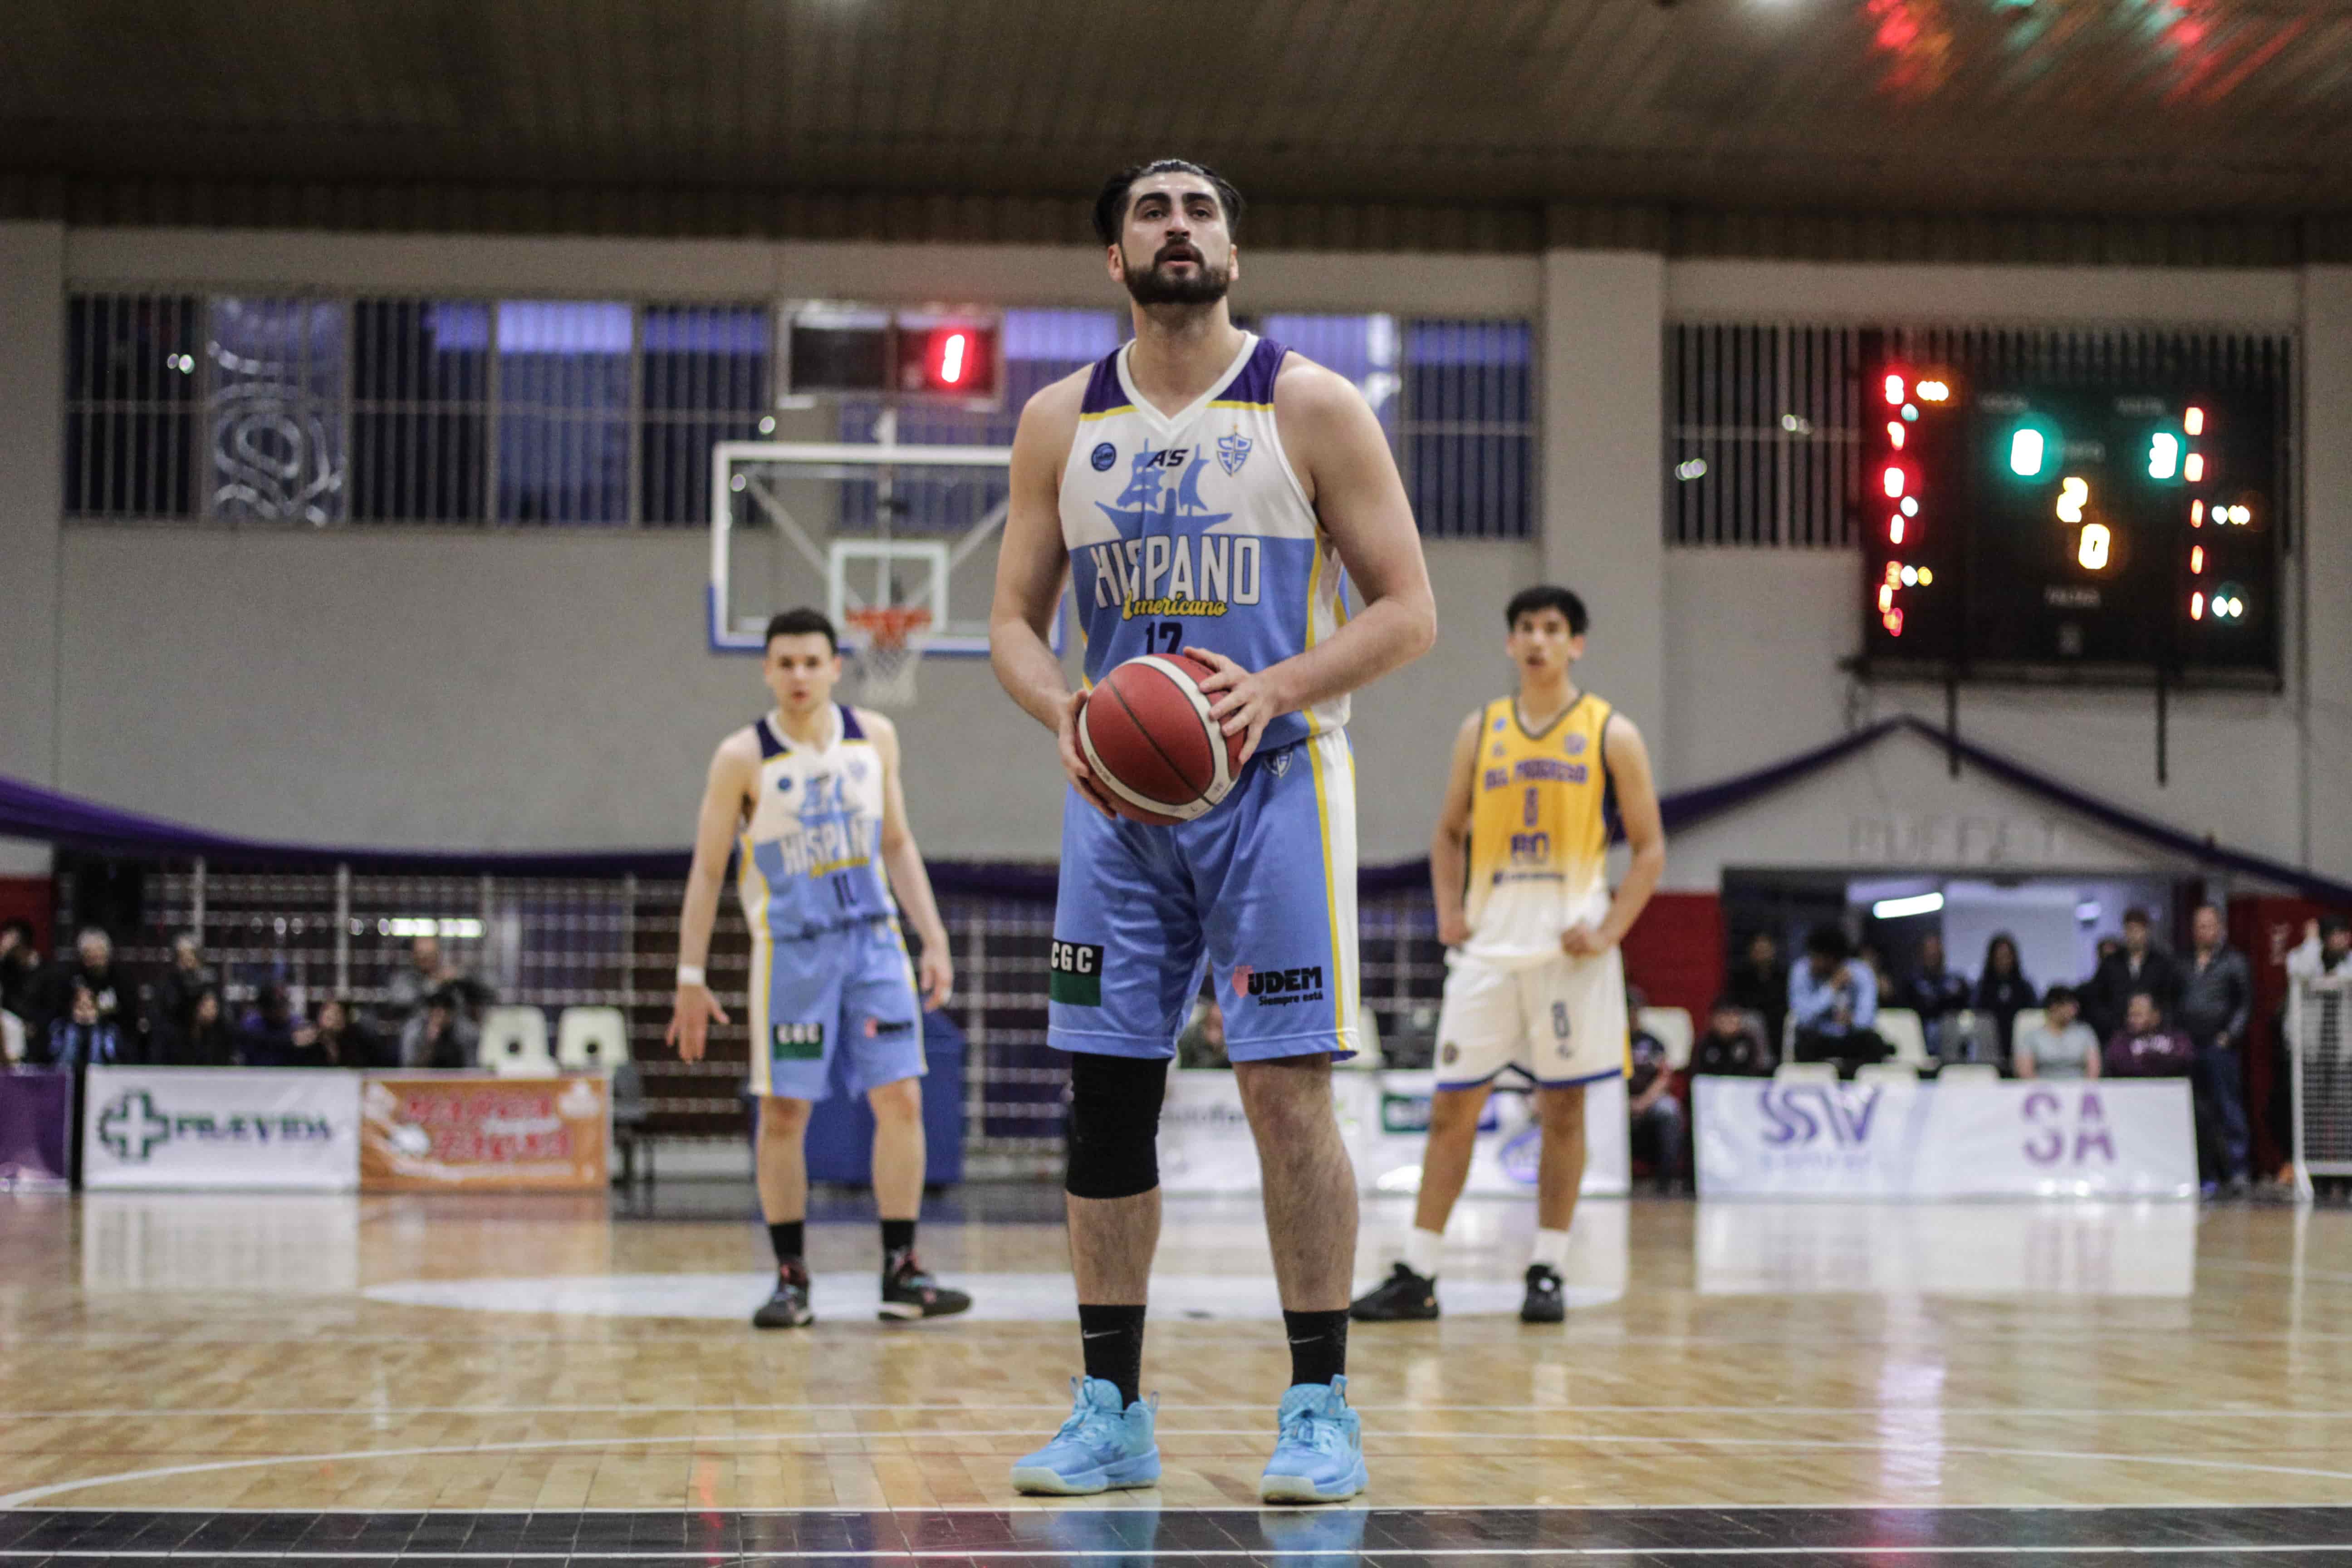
(789, 1307)
(909, 1293)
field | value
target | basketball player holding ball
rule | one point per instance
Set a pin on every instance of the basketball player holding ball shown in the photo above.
(1206, 494)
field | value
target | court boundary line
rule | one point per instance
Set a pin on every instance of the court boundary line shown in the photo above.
(30, 1495)
(151, 1413)
(1044, 1552)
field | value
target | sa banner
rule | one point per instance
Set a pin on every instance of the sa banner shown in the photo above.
(477, 1132)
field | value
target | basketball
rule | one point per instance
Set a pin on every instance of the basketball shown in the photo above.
(1147, 734)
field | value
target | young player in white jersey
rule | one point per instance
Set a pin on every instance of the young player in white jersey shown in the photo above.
(1202, 490)
(809, 800)
(1534, 984)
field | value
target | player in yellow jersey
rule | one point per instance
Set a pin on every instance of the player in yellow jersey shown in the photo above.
(1533, 982)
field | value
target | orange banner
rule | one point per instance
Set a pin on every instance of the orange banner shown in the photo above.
(476, 1131)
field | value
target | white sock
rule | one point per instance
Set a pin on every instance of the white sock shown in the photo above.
(1421, 1248)
(1552, 1251)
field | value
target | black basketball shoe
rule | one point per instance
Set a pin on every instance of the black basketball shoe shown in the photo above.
(1403, 1296)
(908, 1292)
(789, 1307)
(1547, 1299)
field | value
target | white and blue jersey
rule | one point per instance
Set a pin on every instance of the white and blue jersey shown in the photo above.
(1194, 531)
(832, 994)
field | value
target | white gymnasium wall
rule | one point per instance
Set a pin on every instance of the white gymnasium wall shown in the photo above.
(515, 690)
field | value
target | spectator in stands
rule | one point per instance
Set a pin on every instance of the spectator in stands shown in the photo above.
(2326, 952)
(1760, 983)
(2217, 995)
(1656, 1116)
(20, 968)
(439, 1036)
(1834, 1001)
(1866, 953)
(84, 1037)
(1730, 1048)
(2002, 990)
(408, 990)
(1935, 991)
(2138, 965)
(341, 1040)
(2145, 1046)
(206, 1041)
(271, 1035)
(1202, 1043)
(176, 992)
(91, 969)
(2061, 1045)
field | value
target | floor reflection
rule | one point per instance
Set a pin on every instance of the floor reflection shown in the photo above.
(1947, 1250)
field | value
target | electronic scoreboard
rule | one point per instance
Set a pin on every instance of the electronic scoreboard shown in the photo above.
(2099, 532)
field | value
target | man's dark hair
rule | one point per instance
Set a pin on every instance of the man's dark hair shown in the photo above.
(1546, 596)
(800, 623)
(1728, 1003)
(1110, 207)
(2058, 994)
(2135, 916)
(1828, 941)
(2330, 925)
(2154, 1005)
(23, 928)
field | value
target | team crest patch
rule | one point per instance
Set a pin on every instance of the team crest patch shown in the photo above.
(1451, 1054)
(1278, 763)
(1105, 455)
(1233, 451)
(1575, 743)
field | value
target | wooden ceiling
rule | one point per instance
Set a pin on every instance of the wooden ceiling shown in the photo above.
(2131, 108)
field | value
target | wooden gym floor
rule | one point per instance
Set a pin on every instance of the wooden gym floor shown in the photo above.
(241, 1379)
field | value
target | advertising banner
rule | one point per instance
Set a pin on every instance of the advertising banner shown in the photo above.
(478, 1132)
(1763, 1138)
(35, 1122)
(221, 1127)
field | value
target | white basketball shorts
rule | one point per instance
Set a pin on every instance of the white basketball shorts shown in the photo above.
(1558, 1022)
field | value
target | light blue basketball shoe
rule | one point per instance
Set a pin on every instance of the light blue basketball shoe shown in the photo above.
(1319, 1457)
(1100, 1447)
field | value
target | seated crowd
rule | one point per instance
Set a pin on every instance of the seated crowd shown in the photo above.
(84, 1010)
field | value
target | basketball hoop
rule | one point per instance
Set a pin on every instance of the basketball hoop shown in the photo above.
(895, 638)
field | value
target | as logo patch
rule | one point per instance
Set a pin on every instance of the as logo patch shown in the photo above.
(797, 1042)
(1074, 975)
(1104, 456)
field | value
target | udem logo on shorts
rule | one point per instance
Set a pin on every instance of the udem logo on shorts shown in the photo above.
(1076, 974)
(799, 1042)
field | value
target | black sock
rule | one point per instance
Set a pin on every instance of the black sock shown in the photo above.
(1319, 1345)
(1112, 1341)
(785, 1237)
(898, 1236)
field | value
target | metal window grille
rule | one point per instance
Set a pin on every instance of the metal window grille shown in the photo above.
(556, 942)
(703, 378)
(2320, 1046)
(420, 401)
(1465, 427)
(1763, 420)
(132, 395)
(564, 403)
(1763, 433)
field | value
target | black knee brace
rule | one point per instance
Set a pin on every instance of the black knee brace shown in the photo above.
(1114, 1137)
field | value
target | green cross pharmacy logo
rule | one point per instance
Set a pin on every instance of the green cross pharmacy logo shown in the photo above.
(130, 1128)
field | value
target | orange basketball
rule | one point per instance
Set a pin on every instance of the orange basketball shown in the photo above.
(1146, 732)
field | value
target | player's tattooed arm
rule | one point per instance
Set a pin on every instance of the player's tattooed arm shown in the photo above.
(726, 790)
(904, 862)
(1449, 844)
(1032, 564)
(1645, 834)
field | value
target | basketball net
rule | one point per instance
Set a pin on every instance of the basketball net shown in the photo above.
(895, 638)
